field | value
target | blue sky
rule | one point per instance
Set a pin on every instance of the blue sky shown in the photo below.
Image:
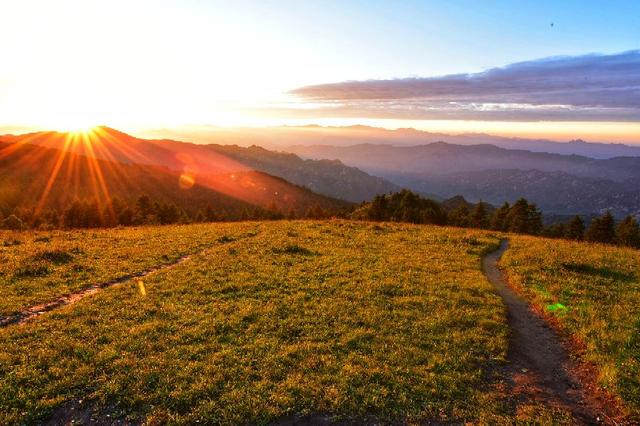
(384, 39)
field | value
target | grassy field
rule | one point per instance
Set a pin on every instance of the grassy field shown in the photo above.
(273, 320)
(594, 292)
(39, 267)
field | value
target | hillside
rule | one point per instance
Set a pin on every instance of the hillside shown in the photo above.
(559, 184)
(310, 321)
(554, 192)
(322, 176)
(34, 176)
(325, 177)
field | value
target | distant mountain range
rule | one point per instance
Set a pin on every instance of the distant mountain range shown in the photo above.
(310, 175)
(285, 136)
(559, 184)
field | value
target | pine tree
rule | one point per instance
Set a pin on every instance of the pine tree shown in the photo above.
(518, 217)
(478, 218)
(498, 221)
(534, 220)
(602, 229)
(628, 232)
(575, 229)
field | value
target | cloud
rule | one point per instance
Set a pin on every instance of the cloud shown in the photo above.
(590, 87)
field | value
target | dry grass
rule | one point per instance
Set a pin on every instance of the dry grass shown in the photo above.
(594, 292)
(346, 319)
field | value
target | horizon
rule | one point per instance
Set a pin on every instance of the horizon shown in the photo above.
(238, 66)
(201, 134)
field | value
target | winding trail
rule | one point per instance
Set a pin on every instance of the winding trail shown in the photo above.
(539, 368)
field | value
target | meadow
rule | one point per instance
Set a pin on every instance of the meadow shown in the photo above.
(276, 319)
(40, 266)
(266, 322)
(593, 292)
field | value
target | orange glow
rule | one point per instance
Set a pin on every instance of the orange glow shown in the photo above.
(186, 181)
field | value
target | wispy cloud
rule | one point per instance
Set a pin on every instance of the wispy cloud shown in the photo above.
(590, 87)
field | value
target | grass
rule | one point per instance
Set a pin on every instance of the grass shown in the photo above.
(39, 267)
(386, 321)
(594, 292)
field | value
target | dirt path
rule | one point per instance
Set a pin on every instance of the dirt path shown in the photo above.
(539, 369)
(68, 299)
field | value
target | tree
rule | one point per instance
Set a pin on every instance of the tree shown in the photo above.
(51, 219)
(524, 218)
(478, 217)
(169, 213)
(92, 217)
(628, 232)
(210, 214)
(575, 229)
(460, 216)
(602, 229)
(556, 230)
(73, 216)
(534, 220)
(125, 217)
(498, 221)
(145, 211)
(517, 218)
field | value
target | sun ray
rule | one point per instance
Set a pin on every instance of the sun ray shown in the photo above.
(54, 174)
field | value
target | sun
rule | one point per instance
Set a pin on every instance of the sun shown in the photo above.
(76, 126)
(80, 130)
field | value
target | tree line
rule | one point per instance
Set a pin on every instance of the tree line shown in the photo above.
(520, 217)
(144, 211)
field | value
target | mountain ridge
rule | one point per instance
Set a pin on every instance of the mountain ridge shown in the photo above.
(328, 178)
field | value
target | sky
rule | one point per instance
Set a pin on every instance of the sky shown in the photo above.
(564, 69)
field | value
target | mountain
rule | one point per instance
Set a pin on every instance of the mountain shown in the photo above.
(330, 178)
(322, 176)
(442, 158)
(556, 193)
(36, 176)
(559, 184)
(285, 136)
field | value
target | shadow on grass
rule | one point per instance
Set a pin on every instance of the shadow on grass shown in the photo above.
(586, 269)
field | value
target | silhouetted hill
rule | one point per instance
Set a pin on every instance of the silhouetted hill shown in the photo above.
(330, 178)
(33, 176)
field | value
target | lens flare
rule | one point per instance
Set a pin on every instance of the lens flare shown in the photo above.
(141, 288)
(186, 181)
